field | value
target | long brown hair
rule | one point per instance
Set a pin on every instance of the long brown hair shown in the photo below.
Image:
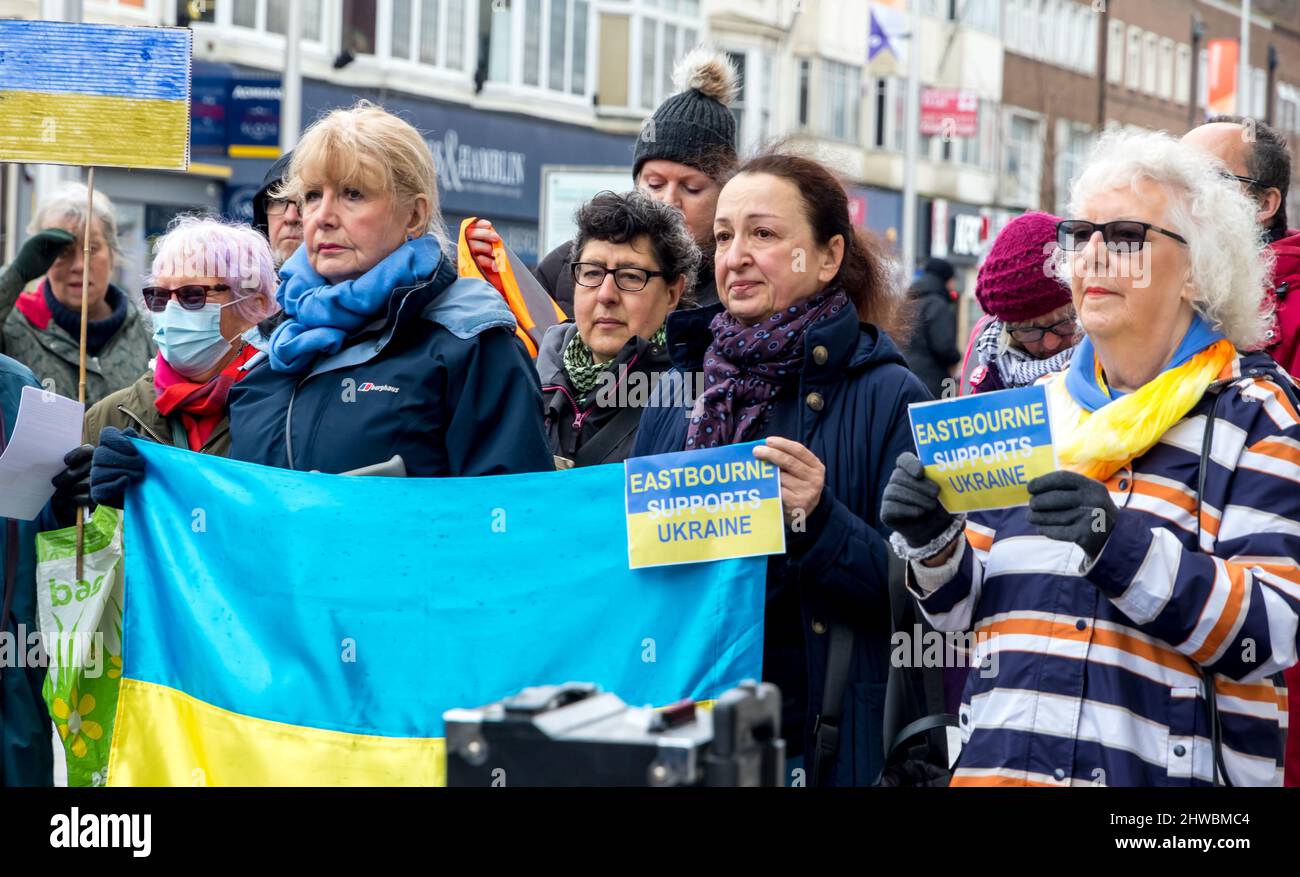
(865, 272)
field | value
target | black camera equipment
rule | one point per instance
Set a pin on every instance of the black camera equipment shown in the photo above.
(576, 735)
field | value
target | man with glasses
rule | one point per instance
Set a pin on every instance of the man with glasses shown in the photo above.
(1256, 155)
(633, 261)
(278, 218)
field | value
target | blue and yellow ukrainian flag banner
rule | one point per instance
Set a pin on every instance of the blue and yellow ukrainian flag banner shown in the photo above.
(983, 450)
(288, 628)
(95, 94)
(709, 504)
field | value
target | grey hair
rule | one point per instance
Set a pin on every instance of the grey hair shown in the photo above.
(68, 201)
(621, 219)
(1230, 266)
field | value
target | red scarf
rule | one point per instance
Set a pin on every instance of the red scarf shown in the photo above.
(201, 406)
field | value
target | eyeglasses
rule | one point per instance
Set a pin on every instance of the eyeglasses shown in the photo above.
(278, 206)
(1249, 181)
(1122, 235)
(192, 297)
(591, 275)
(1067, 328)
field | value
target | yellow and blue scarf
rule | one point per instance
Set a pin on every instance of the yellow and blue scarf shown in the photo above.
(1100, 430)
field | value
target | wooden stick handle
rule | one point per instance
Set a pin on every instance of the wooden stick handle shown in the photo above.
(81, 372)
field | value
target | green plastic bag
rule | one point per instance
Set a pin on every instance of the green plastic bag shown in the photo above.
(81, 622)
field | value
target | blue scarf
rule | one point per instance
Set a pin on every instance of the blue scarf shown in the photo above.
(321, 317)
(1081, 379)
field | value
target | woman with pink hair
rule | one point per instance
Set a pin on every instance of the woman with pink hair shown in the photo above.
(210, 284)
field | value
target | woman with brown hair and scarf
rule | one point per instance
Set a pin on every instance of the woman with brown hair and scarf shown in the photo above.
(797, 355)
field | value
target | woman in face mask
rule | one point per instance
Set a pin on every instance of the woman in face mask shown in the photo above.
(210, 284)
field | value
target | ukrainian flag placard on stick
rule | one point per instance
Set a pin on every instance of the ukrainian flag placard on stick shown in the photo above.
(94, 94)
(983, 450)
(291, 628)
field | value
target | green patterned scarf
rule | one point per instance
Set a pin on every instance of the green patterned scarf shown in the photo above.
(584, 371)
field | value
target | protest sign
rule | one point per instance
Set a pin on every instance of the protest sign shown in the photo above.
(983, 450)
(95, 94)
(702, 505)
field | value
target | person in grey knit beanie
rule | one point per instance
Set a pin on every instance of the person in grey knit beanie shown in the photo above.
(685, 153)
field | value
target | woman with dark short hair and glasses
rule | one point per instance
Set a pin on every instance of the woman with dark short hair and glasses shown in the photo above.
(633, 262)
(1031, 328)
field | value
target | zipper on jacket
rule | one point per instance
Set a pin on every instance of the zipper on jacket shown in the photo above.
(131, 414)
(580, 417)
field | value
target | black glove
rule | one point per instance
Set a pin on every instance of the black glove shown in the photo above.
(40, 250)
(117, 465)
(72, 485)
(1072, 508)
(910, 505)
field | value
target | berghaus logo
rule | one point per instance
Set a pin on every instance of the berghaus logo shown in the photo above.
(368, 387)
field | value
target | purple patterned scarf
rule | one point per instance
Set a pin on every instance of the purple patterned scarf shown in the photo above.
(745, 368)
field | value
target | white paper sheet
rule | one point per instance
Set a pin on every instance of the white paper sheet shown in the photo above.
(47, 427)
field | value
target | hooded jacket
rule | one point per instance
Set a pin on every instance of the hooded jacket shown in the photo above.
(1285, 348)
(932, 349)
(278, 172)
(571, 421)
(850, 409)
(439, 380)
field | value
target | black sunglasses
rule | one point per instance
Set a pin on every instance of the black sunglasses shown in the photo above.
(192, 297)
(1122, 235)
(591, 275)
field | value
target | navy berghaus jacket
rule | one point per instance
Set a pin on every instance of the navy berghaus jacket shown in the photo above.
(440, 380)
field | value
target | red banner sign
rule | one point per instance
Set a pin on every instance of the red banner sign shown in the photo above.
(949, 112)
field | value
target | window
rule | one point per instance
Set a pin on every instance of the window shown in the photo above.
(555, 40)
(1183, 73)
(979, 14)
(1150, 63)
(1011, 36)
(429, 32)
(841, 100)
(1063, 50)
(358, 34)
(805, 75)
(978, 151)
(1202, 81)
(1046, 27)
(1092, 35)
(1258, 93)
(1072, 143)
(1115, 52)
(738, 105)
(1167, 68)
(880, 116)
(663, 41)
(272, 16)
(1133, 67)
(1023, 160)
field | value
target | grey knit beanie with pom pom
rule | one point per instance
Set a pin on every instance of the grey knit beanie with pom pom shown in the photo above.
(694, 127)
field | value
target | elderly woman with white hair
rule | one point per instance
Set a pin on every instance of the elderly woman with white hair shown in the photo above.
(41, 328)
(210, 284)
(1140, 611)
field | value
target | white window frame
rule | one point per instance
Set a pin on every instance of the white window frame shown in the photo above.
(1133, 59)
(226, 18)
(828, 119)
(1115, 52)
(1068, 162)
(516, 84)
(1028, 191)
(643, 13)
(1150, 63)
(1166, 83)
(469, 35)
(1182, 73)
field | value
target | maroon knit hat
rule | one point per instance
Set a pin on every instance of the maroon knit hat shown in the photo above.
(1015, 282)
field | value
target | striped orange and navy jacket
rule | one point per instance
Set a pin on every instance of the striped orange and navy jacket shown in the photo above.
(1091, 675)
